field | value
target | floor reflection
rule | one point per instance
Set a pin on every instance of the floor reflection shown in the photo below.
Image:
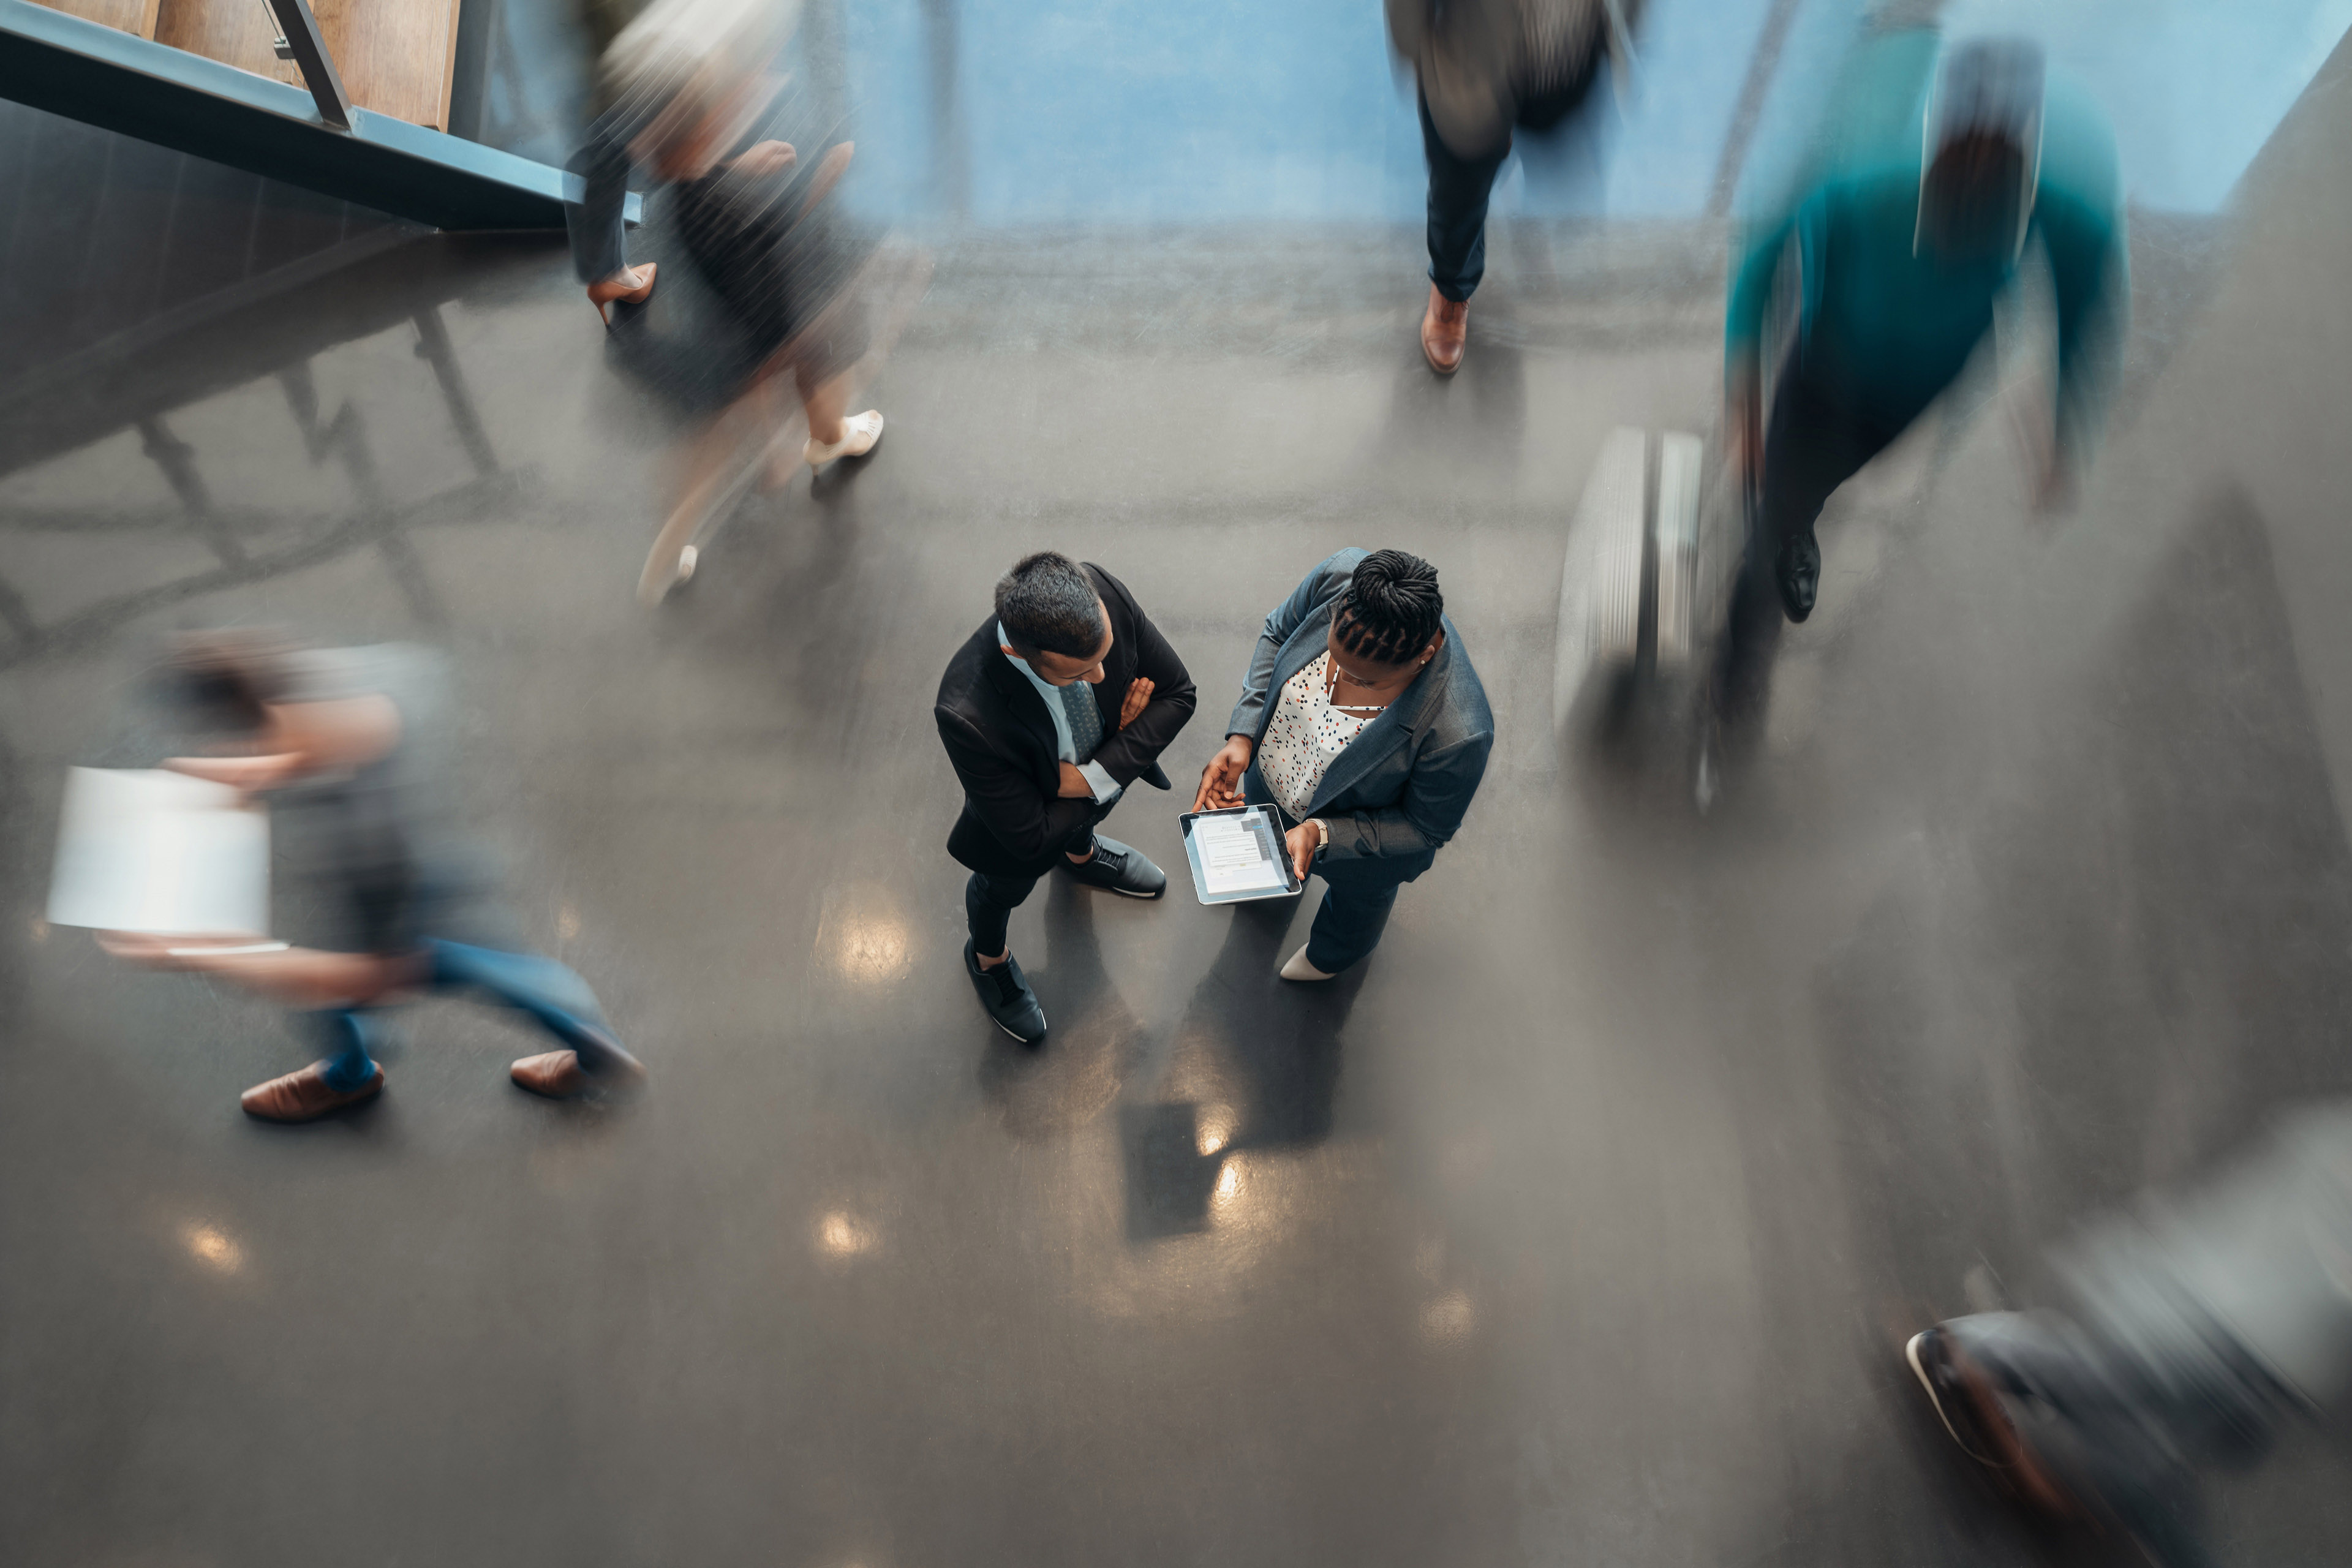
(248, 545)
(1097, 1039)
(1256, 1068)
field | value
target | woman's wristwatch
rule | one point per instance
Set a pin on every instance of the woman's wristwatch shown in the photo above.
(1322, 834)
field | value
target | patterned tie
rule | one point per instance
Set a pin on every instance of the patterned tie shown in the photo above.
(1086, 719)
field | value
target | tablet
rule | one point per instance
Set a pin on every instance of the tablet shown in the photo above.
(1237, 854)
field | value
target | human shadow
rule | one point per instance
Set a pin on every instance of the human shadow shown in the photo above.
(1094, 1044)
(1474, 420)
(1260, 1059)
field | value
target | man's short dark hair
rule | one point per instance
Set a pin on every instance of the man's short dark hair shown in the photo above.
(1048, 604)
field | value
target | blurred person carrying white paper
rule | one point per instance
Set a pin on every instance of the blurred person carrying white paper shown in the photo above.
(160, 853)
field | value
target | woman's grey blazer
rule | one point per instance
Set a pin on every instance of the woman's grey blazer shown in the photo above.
(1400, 789)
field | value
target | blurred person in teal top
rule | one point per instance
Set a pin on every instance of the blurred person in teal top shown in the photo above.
(1934, 167)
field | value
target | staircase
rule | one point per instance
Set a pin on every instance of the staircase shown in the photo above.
(347, 98)
(396, 56)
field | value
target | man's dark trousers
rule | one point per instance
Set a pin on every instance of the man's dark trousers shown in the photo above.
(989, 900)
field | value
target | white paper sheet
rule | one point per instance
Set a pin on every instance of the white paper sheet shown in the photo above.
(1239, 853)
(146, 850)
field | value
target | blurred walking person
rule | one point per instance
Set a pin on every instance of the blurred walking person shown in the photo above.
(1936, 166)
(1483, 69)
(686, 83)
(351, 746)
(2202, 1327)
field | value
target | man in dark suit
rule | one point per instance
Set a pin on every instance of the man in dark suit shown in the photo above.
(1067, 696)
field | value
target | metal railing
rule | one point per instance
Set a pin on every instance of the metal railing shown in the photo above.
(312, 136)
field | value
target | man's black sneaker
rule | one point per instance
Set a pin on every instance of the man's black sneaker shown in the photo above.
(1797, 571)
(1004, 991)
(1121, 870)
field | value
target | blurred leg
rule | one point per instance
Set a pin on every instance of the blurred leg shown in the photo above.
(1458, 189)
(553, 994)
(826, 402)
(347, 1033)
(703, 469)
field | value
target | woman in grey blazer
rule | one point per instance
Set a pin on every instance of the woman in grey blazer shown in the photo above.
(1363, 724)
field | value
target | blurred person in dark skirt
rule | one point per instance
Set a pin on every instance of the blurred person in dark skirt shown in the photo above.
(685, 86)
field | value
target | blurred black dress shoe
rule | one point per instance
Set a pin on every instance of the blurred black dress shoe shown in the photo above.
(1797, 571)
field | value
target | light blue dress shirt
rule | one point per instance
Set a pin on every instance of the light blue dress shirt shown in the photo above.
(1106, 788)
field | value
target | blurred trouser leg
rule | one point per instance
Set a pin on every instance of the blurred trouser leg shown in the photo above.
(1348, 924)
(347, 1033)
(988, 905)
(1814, 443)
(1458, 188)
(596, 223)
(556, 996)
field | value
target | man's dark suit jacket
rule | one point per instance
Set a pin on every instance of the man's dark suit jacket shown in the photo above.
(1003, 742)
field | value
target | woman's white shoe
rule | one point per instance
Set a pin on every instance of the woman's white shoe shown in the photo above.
(1299, 969)
(859, 433)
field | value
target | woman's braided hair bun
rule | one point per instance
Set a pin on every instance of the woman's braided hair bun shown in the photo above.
(1391, 609)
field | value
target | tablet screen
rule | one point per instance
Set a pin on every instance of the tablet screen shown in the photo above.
(1241, 852)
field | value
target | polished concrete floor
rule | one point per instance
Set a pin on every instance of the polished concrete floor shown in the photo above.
(1580, 1226)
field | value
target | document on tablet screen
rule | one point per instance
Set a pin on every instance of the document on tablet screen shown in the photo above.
(1239, 853)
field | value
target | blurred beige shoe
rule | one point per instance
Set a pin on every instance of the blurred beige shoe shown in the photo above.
(859, 433)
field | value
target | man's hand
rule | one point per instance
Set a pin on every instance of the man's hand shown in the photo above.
(1137, 697)
(1220, 781)
(766, 158)
(1074, 785)
(1303, 841)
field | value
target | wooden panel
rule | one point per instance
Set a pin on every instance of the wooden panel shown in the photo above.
(125, 16)
(238, 33)
(395, 56)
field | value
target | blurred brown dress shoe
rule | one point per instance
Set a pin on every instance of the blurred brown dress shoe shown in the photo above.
(1445, 328)
(559, 1075)
(305, 1096)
